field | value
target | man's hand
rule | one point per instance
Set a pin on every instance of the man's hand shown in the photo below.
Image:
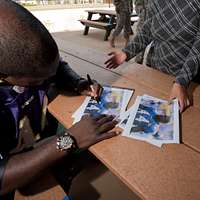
(117, 58)
(178, 91)
(84, 88)
(90, 130)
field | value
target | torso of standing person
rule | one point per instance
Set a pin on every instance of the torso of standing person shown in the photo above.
(174, 30)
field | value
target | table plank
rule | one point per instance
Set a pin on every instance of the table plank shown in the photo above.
(108, 12)
(169, 173)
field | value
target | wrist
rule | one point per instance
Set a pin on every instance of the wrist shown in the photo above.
(77, 84)
(182, 82)
(127, 56)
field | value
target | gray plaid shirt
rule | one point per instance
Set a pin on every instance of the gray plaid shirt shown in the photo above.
(174, 30)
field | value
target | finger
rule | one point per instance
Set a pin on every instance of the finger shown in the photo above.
(115, 66)
(172, 97)
(108, 61)
(97, 90)
(92, 94)
(86, 116)
(105, 119)
(96, 118)
(188, 102)
(111, 65)
(100, 91)
(107, 135)
(107, 126)
(111, 53)
(181, 105)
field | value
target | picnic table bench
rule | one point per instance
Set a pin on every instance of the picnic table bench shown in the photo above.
(106, 21)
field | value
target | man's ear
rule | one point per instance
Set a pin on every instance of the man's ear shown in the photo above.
(2, 76)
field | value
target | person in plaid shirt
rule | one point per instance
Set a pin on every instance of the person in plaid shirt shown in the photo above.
(172, 27)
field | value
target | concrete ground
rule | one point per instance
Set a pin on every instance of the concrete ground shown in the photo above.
(85, 54)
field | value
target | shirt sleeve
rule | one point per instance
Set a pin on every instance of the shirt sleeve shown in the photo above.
(142, 39)
(3, 162)
(191, 66)
(7, 138)
(66, 78)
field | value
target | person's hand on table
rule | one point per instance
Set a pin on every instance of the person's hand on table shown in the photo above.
(116, 59)
(180, 92)
(84, 88)
(90, 130)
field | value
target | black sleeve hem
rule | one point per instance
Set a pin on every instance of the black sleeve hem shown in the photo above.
(2, 170)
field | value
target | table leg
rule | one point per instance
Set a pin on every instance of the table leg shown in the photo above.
(86, 30)
(108, 31)
(112, 25)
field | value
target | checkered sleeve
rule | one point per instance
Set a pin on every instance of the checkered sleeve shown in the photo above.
(141, 40)
(191, 66)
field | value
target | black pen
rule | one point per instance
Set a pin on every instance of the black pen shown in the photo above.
(91, 86)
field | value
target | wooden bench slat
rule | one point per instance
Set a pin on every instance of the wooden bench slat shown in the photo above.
(92, 23)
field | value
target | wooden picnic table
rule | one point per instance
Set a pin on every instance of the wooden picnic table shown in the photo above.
(167, 173)
(106, 21)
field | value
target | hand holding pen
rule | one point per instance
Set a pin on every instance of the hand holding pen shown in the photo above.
(89, 87)
(95, 92)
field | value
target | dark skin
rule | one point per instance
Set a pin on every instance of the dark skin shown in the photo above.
(86, 133)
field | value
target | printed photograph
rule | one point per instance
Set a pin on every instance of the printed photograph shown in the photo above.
(110, 102)
(154, 120)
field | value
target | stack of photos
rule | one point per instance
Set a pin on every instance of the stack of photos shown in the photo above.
(113, 101)
(152, 120)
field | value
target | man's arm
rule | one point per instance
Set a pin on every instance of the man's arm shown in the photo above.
(66, 78)
(21, 168)
(191, 66)
(187, 73)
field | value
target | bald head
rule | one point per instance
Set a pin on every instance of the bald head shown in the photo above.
(26, 47)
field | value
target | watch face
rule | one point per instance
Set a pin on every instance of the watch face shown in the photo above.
(64, 142)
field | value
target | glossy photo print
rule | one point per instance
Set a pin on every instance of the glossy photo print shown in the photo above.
(154, 120)
(113, 101)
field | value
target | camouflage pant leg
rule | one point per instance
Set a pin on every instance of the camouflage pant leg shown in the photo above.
(123, 22)
(140, 10)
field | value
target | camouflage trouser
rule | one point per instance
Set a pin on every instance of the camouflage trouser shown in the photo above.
(141, 12)
(123, 22)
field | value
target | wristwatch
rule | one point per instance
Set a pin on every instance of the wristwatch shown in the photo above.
(66, 142)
